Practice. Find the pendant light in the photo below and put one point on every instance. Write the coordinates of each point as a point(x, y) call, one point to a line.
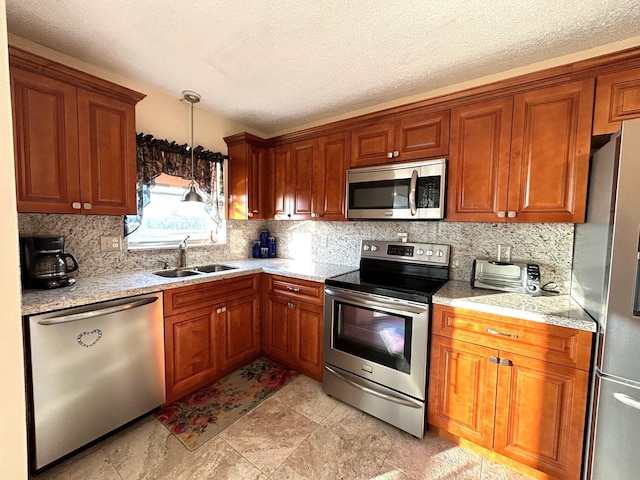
point(193, 193)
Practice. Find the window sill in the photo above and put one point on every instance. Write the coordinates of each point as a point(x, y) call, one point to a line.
point(173, 245)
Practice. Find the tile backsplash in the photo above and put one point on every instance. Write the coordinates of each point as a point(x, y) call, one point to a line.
point(548, 244)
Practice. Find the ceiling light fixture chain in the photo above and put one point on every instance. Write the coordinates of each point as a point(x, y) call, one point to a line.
point(193, 193)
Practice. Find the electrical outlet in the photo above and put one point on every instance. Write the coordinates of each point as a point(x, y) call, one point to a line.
point(110, 243)
point(323, 241)
point(504, 252)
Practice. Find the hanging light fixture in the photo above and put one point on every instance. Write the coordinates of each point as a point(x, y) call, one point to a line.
point(193, 193)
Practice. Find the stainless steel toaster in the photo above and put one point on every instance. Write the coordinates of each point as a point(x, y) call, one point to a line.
point(506, 276)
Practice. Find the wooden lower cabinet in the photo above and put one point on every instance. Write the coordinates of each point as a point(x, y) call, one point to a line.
point(210, 330)
point(292, 329)
point(516, 403)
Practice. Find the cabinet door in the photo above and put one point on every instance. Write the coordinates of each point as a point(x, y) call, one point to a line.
point(540, 414)
point(304, 156)
point(420, 136)
point(550, 153)
point(330, 176)
point(307, 338)
point(190, 354)
point(372, 145)
point(277, 328)
point(462, 389)
point(239, 331)
point(255, 198)
point(246, 157)
point(45, 132)
point(107, 145)
point(617, 99)
point(279, 168)
point(479, 161)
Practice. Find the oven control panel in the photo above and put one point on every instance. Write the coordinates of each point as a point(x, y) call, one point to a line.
point(430, 253)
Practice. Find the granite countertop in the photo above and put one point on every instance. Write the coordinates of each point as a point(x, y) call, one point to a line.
point(559, 310)
point(108, 287)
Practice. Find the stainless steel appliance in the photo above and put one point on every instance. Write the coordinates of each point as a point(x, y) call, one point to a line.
point(397, 191)
point(605, 282)
point(90, 370)
point(44, 264)
point(376, 330)
point(506, 276)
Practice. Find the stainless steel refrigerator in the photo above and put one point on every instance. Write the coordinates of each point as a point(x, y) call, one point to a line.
point(605, 282)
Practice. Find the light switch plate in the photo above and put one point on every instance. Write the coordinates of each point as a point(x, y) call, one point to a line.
point(110, 243)
point(504, 252)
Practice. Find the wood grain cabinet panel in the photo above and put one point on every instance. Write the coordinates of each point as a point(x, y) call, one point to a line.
point(330, 176)
point(239, 327)
point(292, 323)
point(408, 138)
point(74, 137)
point(617, 99)
point(534, 170)
point(279, 180)
point(520, 393)
point(301, 178)
point(245, 177)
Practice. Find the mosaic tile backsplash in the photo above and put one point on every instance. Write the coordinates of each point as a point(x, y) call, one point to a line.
point(548, 244)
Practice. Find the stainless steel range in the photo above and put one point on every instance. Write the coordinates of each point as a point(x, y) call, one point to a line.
point(376, 330)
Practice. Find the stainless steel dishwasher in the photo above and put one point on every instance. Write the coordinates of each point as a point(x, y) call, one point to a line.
point(92, 369)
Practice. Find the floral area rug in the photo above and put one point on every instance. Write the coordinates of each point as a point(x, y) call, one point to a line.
point(203, 414)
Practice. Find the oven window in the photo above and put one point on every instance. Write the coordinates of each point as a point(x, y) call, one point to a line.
point(381, 194)
point(375, 335)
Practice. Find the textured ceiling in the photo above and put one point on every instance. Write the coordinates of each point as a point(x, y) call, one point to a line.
point(276, 64)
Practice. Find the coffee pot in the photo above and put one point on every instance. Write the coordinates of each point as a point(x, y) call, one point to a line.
point(44, 263)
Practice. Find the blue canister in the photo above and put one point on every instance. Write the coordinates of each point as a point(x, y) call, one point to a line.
point(264, 238)
point(255, 251)
point(272, 247)
point(264, 252)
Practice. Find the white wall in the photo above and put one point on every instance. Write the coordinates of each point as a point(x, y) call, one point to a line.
point(13, 446)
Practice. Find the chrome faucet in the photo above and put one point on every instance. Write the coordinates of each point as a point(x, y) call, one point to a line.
point(182, 252)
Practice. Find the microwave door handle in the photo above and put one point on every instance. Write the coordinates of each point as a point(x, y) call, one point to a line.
point(412, 192)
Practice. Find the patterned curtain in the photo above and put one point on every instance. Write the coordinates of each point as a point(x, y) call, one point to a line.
point(155, 157)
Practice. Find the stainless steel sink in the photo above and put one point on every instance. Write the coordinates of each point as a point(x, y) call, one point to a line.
point(214, 267)
point(176, 273)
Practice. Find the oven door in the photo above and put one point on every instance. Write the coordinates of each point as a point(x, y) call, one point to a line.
point(379, 338)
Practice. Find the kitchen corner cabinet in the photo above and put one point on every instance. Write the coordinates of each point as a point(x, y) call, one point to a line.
point(523, 158)
point(246, 169)
point(408, 138)
point(210, 330)
point(617, 99)
point(292, 323)
point(74, 139)
point(308, 178)
point(513, 386)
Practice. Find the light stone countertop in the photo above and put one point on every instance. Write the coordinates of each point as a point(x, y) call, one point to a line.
point(556, 310)
point(98, 289)
point(559, 310)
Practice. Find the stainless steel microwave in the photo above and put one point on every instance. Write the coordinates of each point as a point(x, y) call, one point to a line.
point(413, 191)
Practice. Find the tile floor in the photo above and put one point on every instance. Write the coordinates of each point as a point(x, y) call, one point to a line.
point(298, 433)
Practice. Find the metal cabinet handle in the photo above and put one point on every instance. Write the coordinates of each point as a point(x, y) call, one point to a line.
point(87, 206)
point(389, 155)
point(493, 359)
point(627, 400)
point(292, 289)
point(396, 153)
point(506, 362)
point(501, 213)
point(76, 205)
point(250, 214)
point(291, 305)
point(511, 214)
point(502, 334)
point(221, 309)
point(111, 307)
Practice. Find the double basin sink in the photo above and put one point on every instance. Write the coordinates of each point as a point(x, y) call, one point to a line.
point(188, 272)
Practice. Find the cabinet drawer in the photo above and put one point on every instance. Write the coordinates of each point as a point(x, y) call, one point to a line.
point(303, 290)
point(561, 345)
point(184, 299)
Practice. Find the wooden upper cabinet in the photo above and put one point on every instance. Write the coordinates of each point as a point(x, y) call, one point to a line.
point(330, 176)
point(304, 157)
point(479, 161)
point(408, 138)
point(278, 181)
point(245, 177)
point(617, 99)
point(74, 138)
point(528, 164)
point(550, 148)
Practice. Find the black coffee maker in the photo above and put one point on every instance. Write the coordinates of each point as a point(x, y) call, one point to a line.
point(44, 264)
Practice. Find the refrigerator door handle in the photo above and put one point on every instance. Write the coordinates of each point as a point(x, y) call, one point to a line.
point(627, 400)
